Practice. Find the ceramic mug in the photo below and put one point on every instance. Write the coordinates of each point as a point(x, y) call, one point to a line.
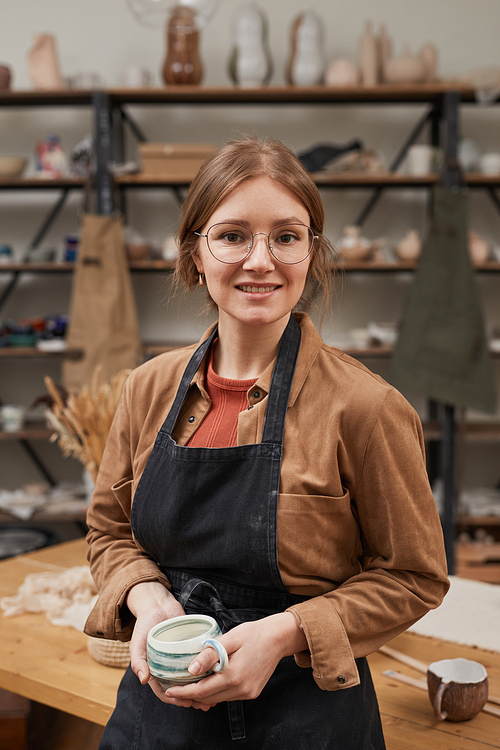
point(458, 688)
point(490, 163)
point(173, 644)
point(420, 158)
point(136, 77)
point(12, 417)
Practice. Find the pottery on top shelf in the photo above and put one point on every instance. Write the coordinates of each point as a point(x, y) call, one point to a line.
point(182, 63)
point(342, 73)
point(405, 68)
point(250, 63)
point(307, 61)
point(368, 56)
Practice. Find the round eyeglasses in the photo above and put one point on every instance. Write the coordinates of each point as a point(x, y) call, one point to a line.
point(232, 243)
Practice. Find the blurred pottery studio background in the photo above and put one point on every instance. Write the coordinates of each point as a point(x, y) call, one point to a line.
point(107, 109)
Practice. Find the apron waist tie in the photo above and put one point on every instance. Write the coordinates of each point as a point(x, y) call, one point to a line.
point(212, 603)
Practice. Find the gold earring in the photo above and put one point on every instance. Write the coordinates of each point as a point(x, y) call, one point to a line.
point(200, 279)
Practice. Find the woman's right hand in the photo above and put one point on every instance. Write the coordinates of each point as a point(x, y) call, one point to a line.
point(150, 603)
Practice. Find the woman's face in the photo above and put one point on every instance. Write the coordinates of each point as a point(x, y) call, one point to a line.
point(258, 290)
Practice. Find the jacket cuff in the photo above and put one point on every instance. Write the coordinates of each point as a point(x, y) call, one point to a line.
point(330, 654)
point(112, 619)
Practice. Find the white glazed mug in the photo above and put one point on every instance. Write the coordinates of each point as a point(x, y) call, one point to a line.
point(173, 644)
point(12, 417)
point(420, 158)
point(490, 163)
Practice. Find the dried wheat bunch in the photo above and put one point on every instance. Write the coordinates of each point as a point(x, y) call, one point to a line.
point(82, 424)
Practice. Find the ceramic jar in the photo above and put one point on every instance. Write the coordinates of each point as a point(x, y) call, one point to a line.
point(306, 65)
point(410, 246)
point(405, 68)
point(342, 72)
point(479, 249)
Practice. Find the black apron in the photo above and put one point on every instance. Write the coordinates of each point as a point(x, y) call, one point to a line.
point(208, 517)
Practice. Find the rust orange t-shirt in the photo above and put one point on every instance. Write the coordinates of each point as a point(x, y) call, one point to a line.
point(229, 397)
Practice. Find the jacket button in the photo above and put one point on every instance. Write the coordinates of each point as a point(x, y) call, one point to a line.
point(191, 419)
point(256, 394)
point(341, 680)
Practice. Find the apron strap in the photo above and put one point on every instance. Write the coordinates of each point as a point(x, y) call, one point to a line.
point(281, 383)
point(187, 377)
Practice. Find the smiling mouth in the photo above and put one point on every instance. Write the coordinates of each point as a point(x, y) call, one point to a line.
point(257, 289)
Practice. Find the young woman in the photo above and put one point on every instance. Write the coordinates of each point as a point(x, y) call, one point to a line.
point(265, 478)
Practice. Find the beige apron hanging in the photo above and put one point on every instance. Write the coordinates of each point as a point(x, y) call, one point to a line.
point(103, 318)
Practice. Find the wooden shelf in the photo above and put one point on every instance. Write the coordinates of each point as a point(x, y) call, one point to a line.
point(30, 431)
point(167, 266)
point(41, 516)
point(472, 432)
point(384, 93)
point(66, 267)
point(31, 352)
point(463, 521)
point(40, 183)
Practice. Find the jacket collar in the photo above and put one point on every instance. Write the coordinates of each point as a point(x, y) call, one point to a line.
point(310, 345)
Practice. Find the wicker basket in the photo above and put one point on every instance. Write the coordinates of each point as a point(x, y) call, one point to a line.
point(110, 653)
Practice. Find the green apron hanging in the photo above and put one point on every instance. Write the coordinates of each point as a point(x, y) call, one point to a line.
point(442, 350)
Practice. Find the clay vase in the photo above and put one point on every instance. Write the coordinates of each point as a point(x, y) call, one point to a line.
point(410, 246)
point(342, 72)
point(384, 50)
point(404, 69)
point(44, 65)
point(250, 62)
point(5, 77)
point(368, 58)
point(306, 65)
point(182, 64)
point(429, 56)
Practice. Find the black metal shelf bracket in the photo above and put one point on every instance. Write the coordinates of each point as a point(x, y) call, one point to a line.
point(431, 115)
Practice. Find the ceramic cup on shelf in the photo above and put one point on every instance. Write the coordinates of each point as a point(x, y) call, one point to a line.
point(12, 417)
point(490, 163)
point(173, 644)
point(135, 77)
point(420, 159)
point(458, 688)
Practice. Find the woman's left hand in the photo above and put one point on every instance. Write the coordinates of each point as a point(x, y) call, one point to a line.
point(254, 650)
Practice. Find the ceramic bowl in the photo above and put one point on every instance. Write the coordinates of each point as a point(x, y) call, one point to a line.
point(173, 644)
point(12, 166)
point(138, 251)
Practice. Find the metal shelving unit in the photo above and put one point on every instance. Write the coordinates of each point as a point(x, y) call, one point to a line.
point(112, 116)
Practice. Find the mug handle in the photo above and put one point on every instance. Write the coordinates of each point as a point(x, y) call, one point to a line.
point(440, 714)
point(221, 651)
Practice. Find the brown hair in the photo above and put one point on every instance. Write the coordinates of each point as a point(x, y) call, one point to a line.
point(227, 168)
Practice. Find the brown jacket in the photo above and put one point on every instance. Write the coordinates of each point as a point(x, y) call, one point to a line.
point(358, 529)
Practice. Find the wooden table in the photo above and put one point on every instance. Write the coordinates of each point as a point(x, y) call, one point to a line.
point(51, 665)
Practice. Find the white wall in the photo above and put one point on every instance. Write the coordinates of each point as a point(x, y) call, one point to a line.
point(103, 36)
